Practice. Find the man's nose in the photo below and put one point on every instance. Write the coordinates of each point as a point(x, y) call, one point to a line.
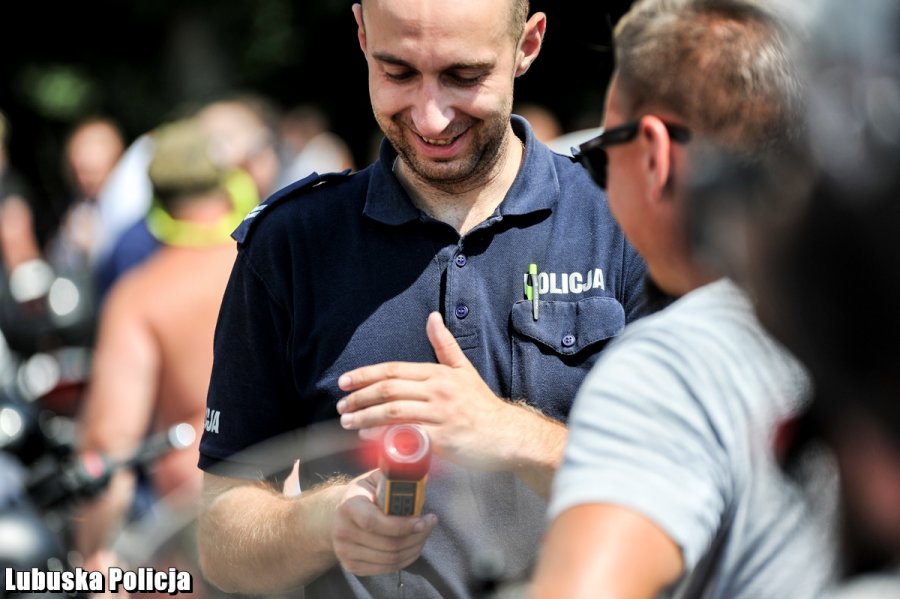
point(432, 112)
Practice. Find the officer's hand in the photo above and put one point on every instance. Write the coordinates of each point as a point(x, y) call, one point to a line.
point(466, 422)
point(366, 541)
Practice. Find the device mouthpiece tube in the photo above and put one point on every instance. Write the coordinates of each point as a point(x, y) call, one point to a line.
point(404, 460)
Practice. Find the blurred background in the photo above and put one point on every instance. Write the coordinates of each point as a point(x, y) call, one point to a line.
point(141, 62)
point(147, 62)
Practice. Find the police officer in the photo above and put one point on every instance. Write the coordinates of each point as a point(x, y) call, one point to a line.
point(465, 221)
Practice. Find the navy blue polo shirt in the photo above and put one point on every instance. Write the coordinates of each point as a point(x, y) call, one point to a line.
point(341, 271)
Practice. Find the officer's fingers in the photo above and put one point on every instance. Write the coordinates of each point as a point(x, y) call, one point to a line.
point(446, 348)
point(360, 546)
point(370, 563)
point(363, 541)
point(384, 392)
point(359, 558)
point(362, 519)
point(393, 412)
point(367, 375)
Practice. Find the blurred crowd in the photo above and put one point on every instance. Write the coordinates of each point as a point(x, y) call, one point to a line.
point(107, 318)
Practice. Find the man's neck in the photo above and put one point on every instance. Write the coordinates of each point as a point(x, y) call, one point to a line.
point(203, 209)
point(688, 277)
point(467, 209)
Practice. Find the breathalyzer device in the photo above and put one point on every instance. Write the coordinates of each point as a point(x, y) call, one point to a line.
point(404, 460)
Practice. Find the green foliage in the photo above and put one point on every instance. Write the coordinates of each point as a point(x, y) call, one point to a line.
point(62, 92)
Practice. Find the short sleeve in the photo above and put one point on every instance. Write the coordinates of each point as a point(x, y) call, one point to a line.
point(640, 438)
point(249, 400)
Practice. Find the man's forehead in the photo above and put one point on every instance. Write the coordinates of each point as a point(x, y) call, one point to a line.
point(436, 41)
point(429, 19)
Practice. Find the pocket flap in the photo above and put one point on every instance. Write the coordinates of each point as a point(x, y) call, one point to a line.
point(569, 327)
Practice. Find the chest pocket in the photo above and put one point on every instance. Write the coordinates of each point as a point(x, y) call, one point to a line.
point(552, 355)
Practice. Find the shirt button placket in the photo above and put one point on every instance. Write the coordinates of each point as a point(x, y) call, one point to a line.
point(461, 310)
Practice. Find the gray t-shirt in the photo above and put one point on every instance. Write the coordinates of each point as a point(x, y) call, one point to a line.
point(675, 422)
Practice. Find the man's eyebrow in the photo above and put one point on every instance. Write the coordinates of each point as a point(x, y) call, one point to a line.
point(397, 61)
point(391, 59)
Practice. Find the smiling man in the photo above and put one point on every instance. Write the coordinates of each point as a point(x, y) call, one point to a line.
point(466, 215)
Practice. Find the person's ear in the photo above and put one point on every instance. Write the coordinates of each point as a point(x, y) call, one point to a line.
point(656, 146)
point(530, 44)
point(361, 31)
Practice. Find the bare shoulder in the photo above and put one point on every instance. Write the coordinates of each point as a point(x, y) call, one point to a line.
point(172, 268)
point(126, 295)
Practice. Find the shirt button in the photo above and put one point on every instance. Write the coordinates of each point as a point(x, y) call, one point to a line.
point(461, 260)
point(462, 311)
point(568, 340)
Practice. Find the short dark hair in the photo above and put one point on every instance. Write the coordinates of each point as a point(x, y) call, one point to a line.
point(519, 10)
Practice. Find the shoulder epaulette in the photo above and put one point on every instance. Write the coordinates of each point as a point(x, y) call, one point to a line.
point(293, 190)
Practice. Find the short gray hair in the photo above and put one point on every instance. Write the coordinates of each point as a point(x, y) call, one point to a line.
point(724, 66)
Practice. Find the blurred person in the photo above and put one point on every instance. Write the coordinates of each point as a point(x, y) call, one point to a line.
point(814, 236)
point(29, 319)
point(154, 351)
point(244, 127)
point(322, 324)
point(309, 146)
point(544, 123)
point(18, 238)
point(20, 250)
point(670, 484)
point(126, 196)
point(92, 149)
point(33, 321)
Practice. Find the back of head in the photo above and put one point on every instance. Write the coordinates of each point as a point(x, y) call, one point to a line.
point(846, 218)
point(722, 66)
point(820, 223)
point(244, 127)
point(186, 163)
point(300, 124)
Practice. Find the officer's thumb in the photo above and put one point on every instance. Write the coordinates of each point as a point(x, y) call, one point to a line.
point(444, 343)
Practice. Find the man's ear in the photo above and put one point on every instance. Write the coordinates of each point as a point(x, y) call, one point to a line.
point(530, 44)
point(656, 145)
point(361, 31)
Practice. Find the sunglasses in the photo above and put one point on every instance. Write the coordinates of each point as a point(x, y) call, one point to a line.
point(592, 153)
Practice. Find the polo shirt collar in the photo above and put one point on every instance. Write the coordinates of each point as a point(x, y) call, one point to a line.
point(536, 186)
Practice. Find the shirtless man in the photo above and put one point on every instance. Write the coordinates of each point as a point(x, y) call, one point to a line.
point(153, 357)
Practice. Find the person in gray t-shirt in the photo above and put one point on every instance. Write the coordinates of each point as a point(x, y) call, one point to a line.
point(669, 484)
point(676, 424)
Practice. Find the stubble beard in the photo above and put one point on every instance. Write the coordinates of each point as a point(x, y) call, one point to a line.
point(464, 173)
